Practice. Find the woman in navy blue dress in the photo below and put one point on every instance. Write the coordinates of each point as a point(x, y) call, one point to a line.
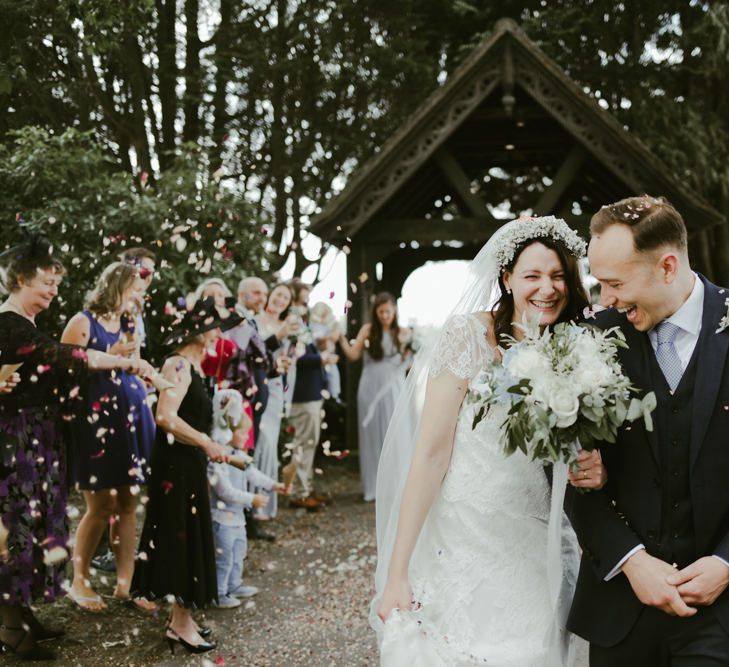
point(112, 432)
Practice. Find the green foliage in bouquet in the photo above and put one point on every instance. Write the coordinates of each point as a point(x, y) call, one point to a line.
point(564, 389)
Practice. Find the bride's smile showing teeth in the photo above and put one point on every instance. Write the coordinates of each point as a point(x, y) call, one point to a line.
point(544, 305)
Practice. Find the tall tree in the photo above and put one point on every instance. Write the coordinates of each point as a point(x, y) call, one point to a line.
point(285, 97)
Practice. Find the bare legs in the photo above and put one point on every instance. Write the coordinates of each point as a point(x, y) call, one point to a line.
point(101, 506)
point(123, 537)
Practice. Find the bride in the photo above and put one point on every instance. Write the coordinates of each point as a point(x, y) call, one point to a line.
point(464, 575)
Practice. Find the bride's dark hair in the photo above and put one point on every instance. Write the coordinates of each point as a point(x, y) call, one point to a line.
point(577, 299)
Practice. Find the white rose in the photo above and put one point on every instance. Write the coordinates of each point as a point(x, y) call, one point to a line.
point(526, 362)
point(565, 405)
point(542, 388)
point(591, 374)
point(586, 348)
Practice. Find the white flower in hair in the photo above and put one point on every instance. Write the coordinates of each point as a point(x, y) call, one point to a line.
point(512, 235)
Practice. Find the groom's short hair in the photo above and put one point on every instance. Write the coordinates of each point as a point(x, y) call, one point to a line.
point(654, 222)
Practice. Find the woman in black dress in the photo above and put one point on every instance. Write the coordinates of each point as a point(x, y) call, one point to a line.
point(176, 558)
point(33, 488)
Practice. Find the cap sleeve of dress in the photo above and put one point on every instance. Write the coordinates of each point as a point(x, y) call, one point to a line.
point(462, 349)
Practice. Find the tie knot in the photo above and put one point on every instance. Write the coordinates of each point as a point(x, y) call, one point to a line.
point(666, 332)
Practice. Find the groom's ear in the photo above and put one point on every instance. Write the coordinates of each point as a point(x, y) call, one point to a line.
point(668, 264)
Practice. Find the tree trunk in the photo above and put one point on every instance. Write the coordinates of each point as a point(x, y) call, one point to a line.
point(193, 74)
point(223, 75)
point(167, 75)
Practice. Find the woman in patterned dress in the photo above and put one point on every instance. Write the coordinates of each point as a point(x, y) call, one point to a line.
point(33, 489)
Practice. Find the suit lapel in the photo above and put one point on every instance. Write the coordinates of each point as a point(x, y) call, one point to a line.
point(712, 353)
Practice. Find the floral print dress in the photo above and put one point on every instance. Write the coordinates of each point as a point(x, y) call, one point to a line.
point(33, 490)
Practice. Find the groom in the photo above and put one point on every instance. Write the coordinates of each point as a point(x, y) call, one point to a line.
point(655, 565)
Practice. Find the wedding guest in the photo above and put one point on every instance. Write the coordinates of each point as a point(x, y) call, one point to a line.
point(275, 328)
point(112, 433)
point(176, 554)
point(214, 288)
point(324, 330)
point(380, 344)
point(229, 496)
point(145, 261)
point(216, 363)
point(306, 412)
point(301, 291)
point(33, 493)
point(253, 365)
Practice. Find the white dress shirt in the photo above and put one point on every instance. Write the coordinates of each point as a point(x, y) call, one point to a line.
point(688, 318)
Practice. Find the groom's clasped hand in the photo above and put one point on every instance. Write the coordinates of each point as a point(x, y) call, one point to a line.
point(677, 592)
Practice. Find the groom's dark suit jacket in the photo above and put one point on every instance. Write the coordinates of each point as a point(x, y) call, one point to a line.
point(667, 489)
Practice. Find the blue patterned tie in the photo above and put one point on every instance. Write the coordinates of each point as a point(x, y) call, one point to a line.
point(666, 353)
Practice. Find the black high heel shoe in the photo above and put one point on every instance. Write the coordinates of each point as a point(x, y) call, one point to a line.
point(40, 632)
point(203, 630)
point(34, 652)
point(190, 648)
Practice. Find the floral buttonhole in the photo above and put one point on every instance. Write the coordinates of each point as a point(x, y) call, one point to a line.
point(724, 321)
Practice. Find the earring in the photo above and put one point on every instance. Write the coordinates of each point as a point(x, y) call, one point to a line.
point(508, 291)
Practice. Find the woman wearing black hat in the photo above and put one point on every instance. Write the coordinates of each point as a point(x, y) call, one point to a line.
point(176, 558)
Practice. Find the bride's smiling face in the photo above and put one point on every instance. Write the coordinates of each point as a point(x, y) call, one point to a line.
point(538, 285)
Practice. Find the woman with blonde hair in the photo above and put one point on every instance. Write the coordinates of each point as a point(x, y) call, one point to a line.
point(113, 431)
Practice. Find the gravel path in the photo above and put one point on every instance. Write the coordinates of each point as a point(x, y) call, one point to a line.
point(315, 581)
point(315, 586)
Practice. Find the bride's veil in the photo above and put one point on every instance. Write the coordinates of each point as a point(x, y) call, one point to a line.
point(480, 293)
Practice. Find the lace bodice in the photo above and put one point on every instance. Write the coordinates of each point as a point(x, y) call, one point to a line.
point(462, 348)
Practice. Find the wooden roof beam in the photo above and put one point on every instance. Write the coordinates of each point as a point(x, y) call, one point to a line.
point(427, 230)
point(563, 178)
point(458, 178)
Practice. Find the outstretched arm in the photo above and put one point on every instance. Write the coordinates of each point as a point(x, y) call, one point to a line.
point(354, 351)
point(443, 398)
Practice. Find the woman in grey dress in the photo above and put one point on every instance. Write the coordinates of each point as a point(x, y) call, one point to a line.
point(380, 344)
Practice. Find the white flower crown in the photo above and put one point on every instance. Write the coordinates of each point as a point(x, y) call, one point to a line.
point(508, 238)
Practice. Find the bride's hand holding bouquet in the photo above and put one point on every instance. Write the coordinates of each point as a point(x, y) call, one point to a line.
point(565, 392)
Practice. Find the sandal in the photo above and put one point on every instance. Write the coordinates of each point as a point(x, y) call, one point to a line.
point(83, 601)
point(141, 603)
point(33, 652)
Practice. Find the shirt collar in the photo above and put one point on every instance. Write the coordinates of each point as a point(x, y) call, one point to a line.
point(243, 311)
point(688, 316)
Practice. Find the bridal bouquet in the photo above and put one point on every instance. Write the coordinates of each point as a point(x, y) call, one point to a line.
point(565, 390)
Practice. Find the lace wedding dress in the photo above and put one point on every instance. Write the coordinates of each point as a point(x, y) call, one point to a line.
point(479, 568)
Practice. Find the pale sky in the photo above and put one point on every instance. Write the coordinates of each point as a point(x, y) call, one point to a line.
point(429, 293)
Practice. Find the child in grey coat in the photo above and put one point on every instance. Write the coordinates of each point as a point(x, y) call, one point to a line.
point(229, 497)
